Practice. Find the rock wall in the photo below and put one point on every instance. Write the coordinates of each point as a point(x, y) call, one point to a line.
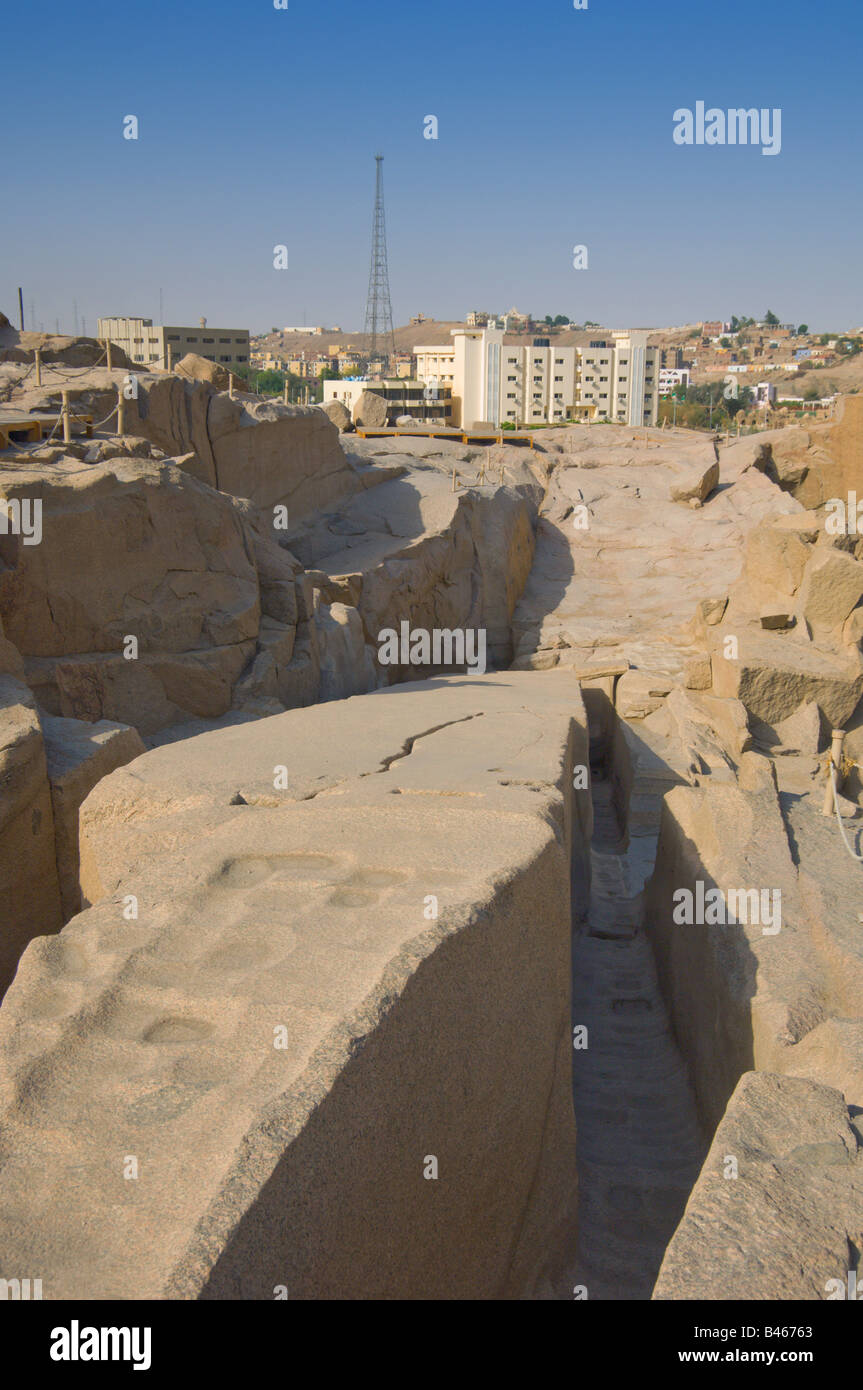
point(789, 1220)
point(738, 995)
point(324, 1084)
point(29, 887)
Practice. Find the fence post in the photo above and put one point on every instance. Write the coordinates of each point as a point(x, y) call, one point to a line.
point(67, 423)
point(121, 412)
point(38, 366)
point(835, 760)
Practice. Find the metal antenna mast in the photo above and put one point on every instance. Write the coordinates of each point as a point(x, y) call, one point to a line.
point(379, 313)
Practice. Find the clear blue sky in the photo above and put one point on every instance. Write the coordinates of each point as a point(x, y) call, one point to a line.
point(259, 126)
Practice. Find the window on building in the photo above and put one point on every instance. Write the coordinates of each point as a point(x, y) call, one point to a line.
point(224, 340)
point(173, 337)
point(558, 378)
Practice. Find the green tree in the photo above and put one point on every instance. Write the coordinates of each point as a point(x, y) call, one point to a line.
point(804, 328)
point(271, 383)
point(770, 319)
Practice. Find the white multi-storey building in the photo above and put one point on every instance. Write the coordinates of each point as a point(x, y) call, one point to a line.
point(541, 383)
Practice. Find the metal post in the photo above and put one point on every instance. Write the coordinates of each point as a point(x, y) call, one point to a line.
point(21, 307)
point(67, 423)
point(38, 355)
point(835, 762)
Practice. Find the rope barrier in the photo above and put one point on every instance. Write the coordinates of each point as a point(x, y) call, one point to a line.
point(845, 841)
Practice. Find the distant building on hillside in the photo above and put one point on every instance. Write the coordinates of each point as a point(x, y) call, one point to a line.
point(764, 394)
point(670, 377)
point(314, 332)
point(163, 346)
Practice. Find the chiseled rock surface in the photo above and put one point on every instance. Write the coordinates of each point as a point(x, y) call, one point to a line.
point(619, 565)
point(758, 992)
point(792, 1219)
point(79, 755)
point(29, 889)
point(261, 909)
point(168, 561)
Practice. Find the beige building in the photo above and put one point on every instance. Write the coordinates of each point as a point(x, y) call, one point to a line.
point(617, 379)
point(162, 346)
point(614, 378)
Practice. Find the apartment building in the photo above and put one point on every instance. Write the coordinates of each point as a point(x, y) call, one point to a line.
point(436, 364)
point(162, 345)
point(617, 379)
point(540, 383)
point(537, 383)
point(308, 366)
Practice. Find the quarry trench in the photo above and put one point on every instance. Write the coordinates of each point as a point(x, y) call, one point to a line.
point(639, 1144)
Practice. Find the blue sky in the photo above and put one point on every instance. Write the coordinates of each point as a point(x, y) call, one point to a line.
point(259, 126)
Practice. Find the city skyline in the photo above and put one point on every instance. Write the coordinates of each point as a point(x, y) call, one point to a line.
point(555, 129)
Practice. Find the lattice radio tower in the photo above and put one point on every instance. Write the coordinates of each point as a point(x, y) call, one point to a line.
point(379, 314)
